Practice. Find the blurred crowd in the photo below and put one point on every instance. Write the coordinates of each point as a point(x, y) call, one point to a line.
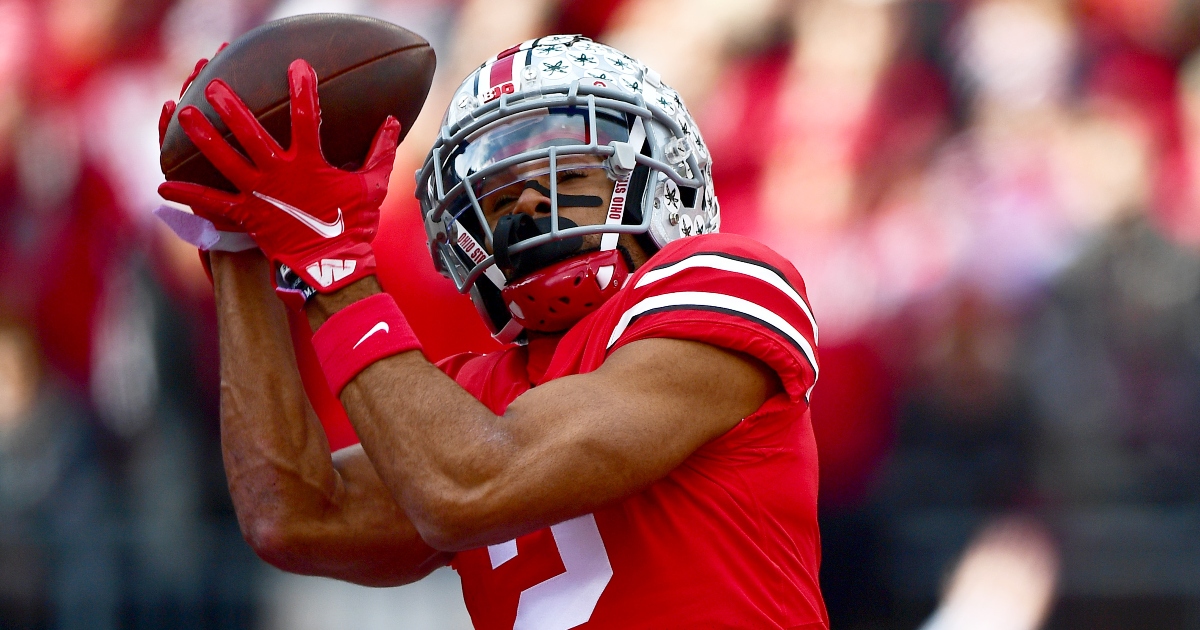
point(995, 205)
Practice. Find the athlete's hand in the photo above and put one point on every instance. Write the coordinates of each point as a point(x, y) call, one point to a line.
point(168, 109)
point(315, 219)
point(200, 228)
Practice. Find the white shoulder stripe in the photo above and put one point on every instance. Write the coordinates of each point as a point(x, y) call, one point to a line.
point(732, 265)
point(716, 300)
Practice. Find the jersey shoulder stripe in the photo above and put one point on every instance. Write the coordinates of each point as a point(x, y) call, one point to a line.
point(716, 302)
point(724, 304)
point(723, 261)
point(723, 283)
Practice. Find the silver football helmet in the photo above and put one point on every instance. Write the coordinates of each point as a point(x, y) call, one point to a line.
point(549, 104)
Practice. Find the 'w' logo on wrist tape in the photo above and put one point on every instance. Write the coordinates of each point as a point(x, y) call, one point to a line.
point(330, 270)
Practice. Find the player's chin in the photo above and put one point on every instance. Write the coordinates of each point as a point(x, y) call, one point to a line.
point(635, 255)
point(591, 242)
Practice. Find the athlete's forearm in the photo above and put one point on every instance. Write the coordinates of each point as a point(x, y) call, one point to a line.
point(439, 450)
point(466, 476)
point(276, 457)
point(299, 510)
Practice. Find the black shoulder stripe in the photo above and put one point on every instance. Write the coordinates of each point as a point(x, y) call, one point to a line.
point(743, 259)
point(728, 311)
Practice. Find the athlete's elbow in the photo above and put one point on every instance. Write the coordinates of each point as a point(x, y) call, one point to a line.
point(451, 522)
point(444, 529)
point(276, 541)
point(267, 537)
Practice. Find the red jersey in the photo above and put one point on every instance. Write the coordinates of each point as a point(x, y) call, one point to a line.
point(729, 538)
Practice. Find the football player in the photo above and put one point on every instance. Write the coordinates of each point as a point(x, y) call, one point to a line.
point(639, 456)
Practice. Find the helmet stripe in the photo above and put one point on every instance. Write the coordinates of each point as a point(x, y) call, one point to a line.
point(508, 52)
point(502, 71)
point(529, 51)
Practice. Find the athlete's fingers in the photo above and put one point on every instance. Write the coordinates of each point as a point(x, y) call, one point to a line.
point(306, 109)
point(259, 144)
point(225, 158)
point(383, 147)
point(192, 77)
point(202, 199)
point(164, 119)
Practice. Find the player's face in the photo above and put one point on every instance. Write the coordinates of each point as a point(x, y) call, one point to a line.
point(583, 187)
point(584, 192)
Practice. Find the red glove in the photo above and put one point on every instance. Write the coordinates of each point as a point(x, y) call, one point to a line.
point(203, 230)
point(222, 234)
point(315, 219)
point(169, 107)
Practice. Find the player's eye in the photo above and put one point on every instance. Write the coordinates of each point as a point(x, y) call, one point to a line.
point(564, 176)
point(503, 201)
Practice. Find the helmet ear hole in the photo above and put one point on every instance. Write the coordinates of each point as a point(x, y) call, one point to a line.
point(637, 189)
point(634, 210)
point(687, 196)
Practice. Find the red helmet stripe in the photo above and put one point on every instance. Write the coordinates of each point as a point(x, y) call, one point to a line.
point(501, 71)
point(508, 52)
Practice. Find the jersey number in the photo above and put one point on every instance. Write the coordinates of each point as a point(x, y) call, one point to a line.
point(567, 599)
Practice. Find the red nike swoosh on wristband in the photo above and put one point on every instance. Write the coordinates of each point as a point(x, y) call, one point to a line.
point(326, 230)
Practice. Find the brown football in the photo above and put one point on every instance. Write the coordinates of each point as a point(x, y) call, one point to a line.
point(366, 68)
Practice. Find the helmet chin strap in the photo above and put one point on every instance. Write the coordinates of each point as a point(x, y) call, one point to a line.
point(626, 161)
point(477, 253)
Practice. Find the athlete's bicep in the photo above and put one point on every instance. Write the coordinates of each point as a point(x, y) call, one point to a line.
point(661, 399)
point(594, 438)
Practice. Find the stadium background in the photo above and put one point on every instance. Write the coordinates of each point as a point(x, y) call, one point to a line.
point(995, 204)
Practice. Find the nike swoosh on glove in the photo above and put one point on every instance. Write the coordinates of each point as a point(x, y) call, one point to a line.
point(316, 219)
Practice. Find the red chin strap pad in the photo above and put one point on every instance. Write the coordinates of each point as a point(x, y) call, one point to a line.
point(554, 298)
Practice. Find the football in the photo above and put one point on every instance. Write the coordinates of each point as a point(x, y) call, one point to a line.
point(366, 68)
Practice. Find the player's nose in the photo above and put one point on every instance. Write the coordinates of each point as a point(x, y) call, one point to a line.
point(531, 202)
